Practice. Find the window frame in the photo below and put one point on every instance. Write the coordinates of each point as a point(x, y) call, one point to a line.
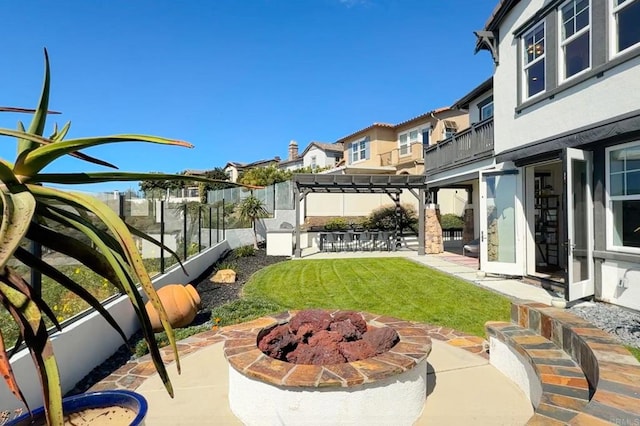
point(482, 105)
point(525, 66)
point(564, 42)
point(361, 144)
point(613, 32)
point(609, 199)
point(409, 142)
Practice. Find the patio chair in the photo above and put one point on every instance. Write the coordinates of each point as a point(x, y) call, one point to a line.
point(384, 240)
point(365, 241)
point(330, 239)
point(349, 241)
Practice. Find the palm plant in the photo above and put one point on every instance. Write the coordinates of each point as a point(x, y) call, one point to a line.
point(251, 209)
point(50, 217)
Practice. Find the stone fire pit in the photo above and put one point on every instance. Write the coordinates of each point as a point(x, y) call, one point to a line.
point(389, 388)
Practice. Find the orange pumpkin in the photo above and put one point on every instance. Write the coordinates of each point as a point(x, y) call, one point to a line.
point(180, 302)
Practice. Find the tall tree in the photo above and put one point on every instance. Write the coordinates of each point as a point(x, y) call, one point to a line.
point(264, 176)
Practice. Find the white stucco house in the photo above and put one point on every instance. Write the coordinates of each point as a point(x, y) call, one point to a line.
point(316, 156)
point(556, 194)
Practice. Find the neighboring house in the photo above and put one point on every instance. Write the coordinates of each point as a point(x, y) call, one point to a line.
point(398, 149)
point(233, 169)
point(317, 155)
point(560, 199)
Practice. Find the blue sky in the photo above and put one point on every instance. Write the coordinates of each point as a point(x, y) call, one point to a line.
point(237, 78)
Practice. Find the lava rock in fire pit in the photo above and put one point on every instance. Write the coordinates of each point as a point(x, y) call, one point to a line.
point(381, 339)
point(316, 337)
point(309, 322)
point(278, 342)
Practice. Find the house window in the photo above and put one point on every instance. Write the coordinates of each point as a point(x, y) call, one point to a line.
point(359, 150)
point(426, 139)
point(485, 108)
point(625, 16)
point(534, 59)
point(450, 128)
point(314, 163)
point(405, 140)
point(623, 187)
point(575, 37)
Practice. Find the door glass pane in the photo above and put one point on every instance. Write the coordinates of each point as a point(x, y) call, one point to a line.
point(501, 229)
point(579, 205)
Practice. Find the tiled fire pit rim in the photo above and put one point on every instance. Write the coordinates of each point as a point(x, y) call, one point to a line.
point(242, 353)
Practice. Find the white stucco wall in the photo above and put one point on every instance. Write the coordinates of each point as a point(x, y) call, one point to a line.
point(586, 103)
point(397, 400)
point(621, 284)
point(351, 204)
point(516, 368)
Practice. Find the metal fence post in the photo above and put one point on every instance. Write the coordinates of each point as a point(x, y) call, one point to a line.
point(217, 224)
point(224, 227)
point(184, 231)
point(199, 227)
point(162, 236)
point(210, 226)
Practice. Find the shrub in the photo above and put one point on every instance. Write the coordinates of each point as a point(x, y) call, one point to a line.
point(244, 251)
point(451, 221)
point(242, 310)
point(384, 218)
point(336, 224)
point(226, 265)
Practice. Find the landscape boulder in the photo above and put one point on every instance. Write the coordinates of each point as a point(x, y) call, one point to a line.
point(224, 276)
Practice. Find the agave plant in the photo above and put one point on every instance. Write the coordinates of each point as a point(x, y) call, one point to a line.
point(45, 215)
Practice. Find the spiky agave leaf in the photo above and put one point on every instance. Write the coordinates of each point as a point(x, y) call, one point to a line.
point(34, 262)
point(17, 298)
point(147, 237)
point(18, 206)
point(118, 229)
point(7, 373)
point(119, 266)
point(40, 115)
point(35, 160)
point(100, 177)
point(39, 140)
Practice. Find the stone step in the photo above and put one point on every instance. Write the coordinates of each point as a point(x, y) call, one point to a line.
point(555, 383)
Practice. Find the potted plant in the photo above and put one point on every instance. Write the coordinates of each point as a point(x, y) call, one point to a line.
point(42, 214)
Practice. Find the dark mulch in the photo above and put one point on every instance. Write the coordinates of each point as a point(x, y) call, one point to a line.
point(211, 296)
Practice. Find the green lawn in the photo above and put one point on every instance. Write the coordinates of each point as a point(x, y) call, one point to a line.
point(390, 286)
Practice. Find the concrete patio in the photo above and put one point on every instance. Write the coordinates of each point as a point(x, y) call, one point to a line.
point(463, 387)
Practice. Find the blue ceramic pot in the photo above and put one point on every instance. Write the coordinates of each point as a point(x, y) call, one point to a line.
point(101, 399)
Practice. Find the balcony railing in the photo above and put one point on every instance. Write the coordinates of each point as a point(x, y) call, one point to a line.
point(473, 143)
point(401, 155)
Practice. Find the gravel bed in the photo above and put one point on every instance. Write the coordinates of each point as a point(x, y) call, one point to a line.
point(620, 322)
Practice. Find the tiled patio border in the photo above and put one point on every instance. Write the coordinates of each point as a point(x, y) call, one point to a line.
point(131, 375)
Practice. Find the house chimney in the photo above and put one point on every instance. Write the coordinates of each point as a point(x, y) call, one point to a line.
point(293, 150)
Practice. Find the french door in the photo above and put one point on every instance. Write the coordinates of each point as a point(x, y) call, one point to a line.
point(579, 208)
point(500, 218)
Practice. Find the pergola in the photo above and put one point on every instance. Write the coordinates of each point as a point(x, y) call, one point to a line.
point(392, 185)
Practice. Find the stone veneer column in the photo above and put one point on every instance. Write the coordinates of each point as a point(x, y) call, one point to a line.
point(468, 230)
point(433, 230)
